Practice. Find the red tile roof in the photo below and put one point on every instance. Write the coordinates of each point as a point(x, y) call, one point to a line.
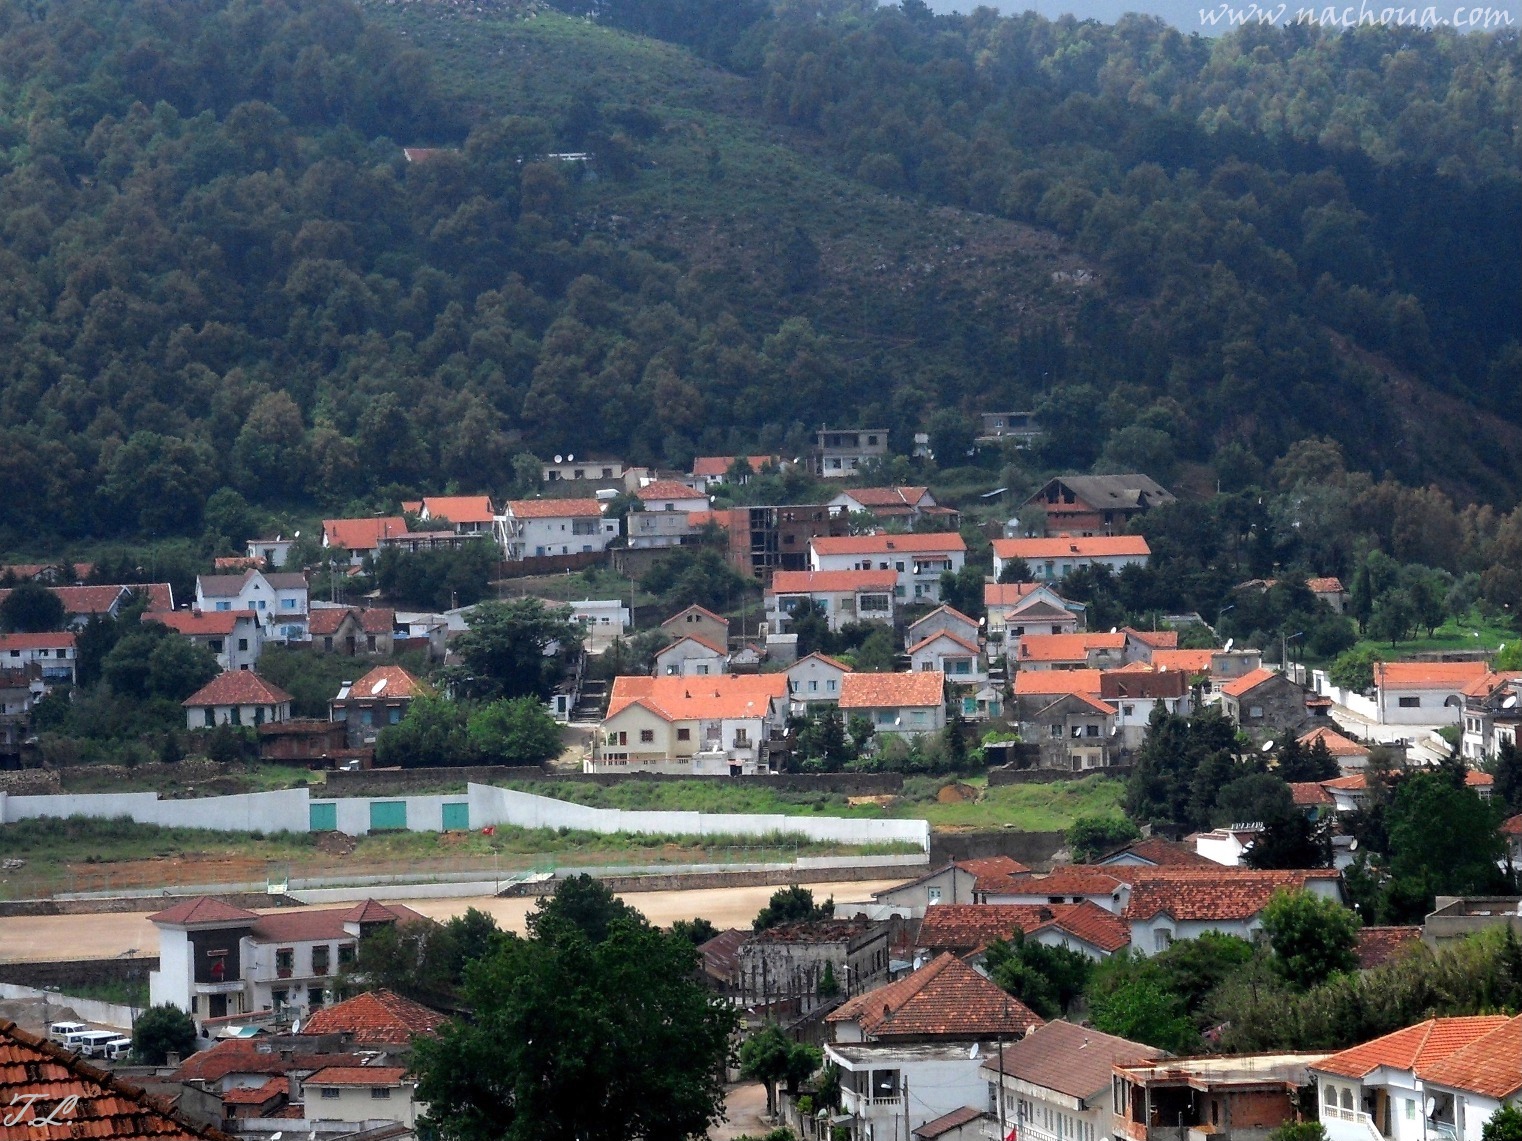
point(1157, 639)
point(325, 620)
point(553, 508)
point(870, 497)
point(892, 691)
point(1427, 675)
point(48, 641)
point(1162, 852)
point(206, 624)
point(1490, 1066)
point(1093, 546)
point(236, 687)
point(701, 641)
point(1211, 894)
point(1248, 682)
point(1378, 945)
point(691, 698)
point(721, 954)
point(257, 1095)
point(965, 927)
point(1189, 661)
point(994, 866)
point(1075, 879)
point(386, 682)
point(1357, 782)
point(1050, 683)
point(1074, 1060)
point(1091, 923)
point(1512, 826)
point(361, 534)
point(810, 582)
point(947, 1122)
point(1413, 1047)
point(358, 1076)
point(1121, 684)
point(459, 508)
point(1007, 593)
point(203, 909)
point(943, 999)
point(242, 1056)
point(668, 489)
point(376, 1018)
point(1325, 586)
point(1066, 647)
point(696, 609)
point(1336, 743)
point(970, 647)
point(106, 1109)
point(1309, 794)
point(913, 544)
point(712, 467)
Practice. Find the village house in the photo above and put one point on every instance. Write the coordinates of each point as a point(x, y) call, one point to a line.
point(1265, 704)
point(1020, 427)
point(815, 680)
point(692, 655)
point(709, 472)
point(1223, 1097)
point(536, 528)
point(589, 468)
point(669, 497)
point(1086, 505)
point(1035, 690)
point(845, 596)
point(1208, 670)
point(1019, 608)
point(912, 1051)
point(951, 654)
point(1351, 757)
point(1055, 1082)
point(781, 967)
point(360, 538)
point(647, 530)
point(1491, 713)
point(1070, 651)
point(1423, 693)
point(378, 699)
point(1331, 591)
point(1166, 905)
point(351, 631)
point(362, 1094)
point(236, 697)
point(53, 654)
point(700, 621)
point(49, 574)
point(462, 514)
point(273, 553)
point(235, 637)
point(919, 560)
point(1411, 1085)
point(278, 599)
point(1135, 694)
point(1051, 560)
point(838, 453)
point(697, 726)
point(906, 704)
point(216, 959)
point(81, 603)
point(909, 506)
point(604, 620)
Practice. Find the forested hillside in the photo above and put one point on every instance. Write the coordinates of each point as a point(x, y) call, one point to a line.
point(219, 266)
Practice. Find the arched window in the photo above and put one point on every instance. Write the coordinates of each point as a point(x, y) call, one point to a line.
point(1347, 1098)
point(1331, 1096)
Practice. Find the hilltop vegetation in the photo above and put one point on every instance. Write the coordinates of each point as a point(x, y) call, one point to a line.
point(221, 269)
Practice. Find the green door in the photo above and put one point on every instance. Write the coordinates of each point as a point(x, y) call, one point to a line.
point(388, 816)
point(457, 817)
point(324, 816)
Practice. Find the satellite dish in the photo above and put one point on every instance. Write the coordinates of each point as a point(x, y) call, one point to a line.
point(1113, 629)
point(296, 1026)
point(1268, 746)
point(558, 460)
point(276, 1136)
point(1431, 1106)
point(973, 1053)
point(1353, 847)
point(1229, 643)
point(378, 686)
point(571, 458)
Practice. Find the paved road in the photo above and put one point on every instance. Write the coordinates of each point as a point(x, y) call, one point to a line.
point(35, 938)
point(744, 1106)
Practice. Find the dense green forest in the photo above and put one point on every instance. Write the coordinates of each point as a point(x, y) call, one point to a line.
point(220, 268)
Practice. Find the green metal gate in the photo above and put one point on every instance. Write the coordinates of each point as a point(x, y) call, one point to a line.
point(457, 817)
point(324, 816)
point(388, 816)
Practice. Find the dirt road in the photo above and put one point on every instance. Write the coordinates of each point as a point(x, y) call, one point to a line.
point(37, 938)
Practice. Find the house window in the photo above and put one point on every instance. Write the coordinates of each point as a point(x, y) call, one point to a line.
point(320, 956)
point(242, 645)
point(1331, 1096)
point(1410, 702)
point(646, 736)
point(1410, 1107)
point(327, 643)
point(370, 642)
point(279, 998)
point(1347, 1098)
point(933, 895)
point(684, 734)
point(214, 645)
point(288, 604)
point(211, 718)
point(345, 954)
point(380, 1093)
point(1162, 939)
point(285, 962)
point(235, 715)
point(1255, 712)
point(830, 685)
point(329, 1093)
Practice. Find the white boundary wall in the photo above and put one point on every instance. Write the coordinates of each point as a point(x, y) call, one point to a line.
point(85, 1009)
point(289, 810)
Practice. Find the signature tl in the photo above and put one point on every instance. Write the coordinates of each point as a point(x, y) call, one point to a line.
point(27, 1101)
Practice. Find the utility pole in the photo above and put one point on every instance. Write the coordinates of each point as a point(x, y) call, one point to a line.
point(907, 1137)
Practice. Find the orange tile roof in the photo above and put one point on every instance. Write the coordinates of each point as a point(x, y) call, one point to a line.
point(87, 599)
point(1412, 1047)
point(459, 508)
point(358, 1076)
point(691, 698)
point(1007, 593)
point(971, 647)
point(1157, 639)
point(1066, 647)
point(1050, 683)
point(397, 683)
point(947, 1122)
point(1427, 675)
point(892, 691)
point(808, 582)
point(257, 1095)
point(1327, 585)
point(1189, 661)
point(1164, 853)
point(553, 508)
point(913, 544)
point(207, 623)
point(1490, 1066)
point(1074, 879)
point(1491, 681)
point(1248, 682)
point(1093, 546)
point(236, 687)
point(712, 467)
point(1091, 923)
point(48, 641)
point(376, 1018)
point(943, 999)
point(1211, 894)
point(324, 621)
point(704, 642)
point(106, 1109)
point(361, 534)
point(203, 909)
point(668, 489)
point(1357, 782)
point(965, 927)
point(887, 496)
point(1309, 793)
point(994, 866)
point(1513, 826)
point(1378, 945)
point(1335, 742)
point(242, 1056)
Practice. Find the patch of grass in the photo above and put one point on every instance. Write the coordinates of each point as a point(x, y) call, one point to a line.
point(1476, 633)
point(1029, 807)
point(118, 991)
point(693, 796)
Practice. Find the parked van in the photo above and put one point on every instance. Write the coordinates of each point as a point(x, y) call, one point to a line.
point(118, 1048)
point(92, 1043)
point(61, 1032)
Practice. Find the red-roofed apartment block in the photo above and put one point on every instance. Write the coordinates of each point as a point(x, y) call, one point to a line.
point(919, 560)
point(844, 596)
point(695, 726)
point(1423, 693)
point(535, 528)
point(1050, 560)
